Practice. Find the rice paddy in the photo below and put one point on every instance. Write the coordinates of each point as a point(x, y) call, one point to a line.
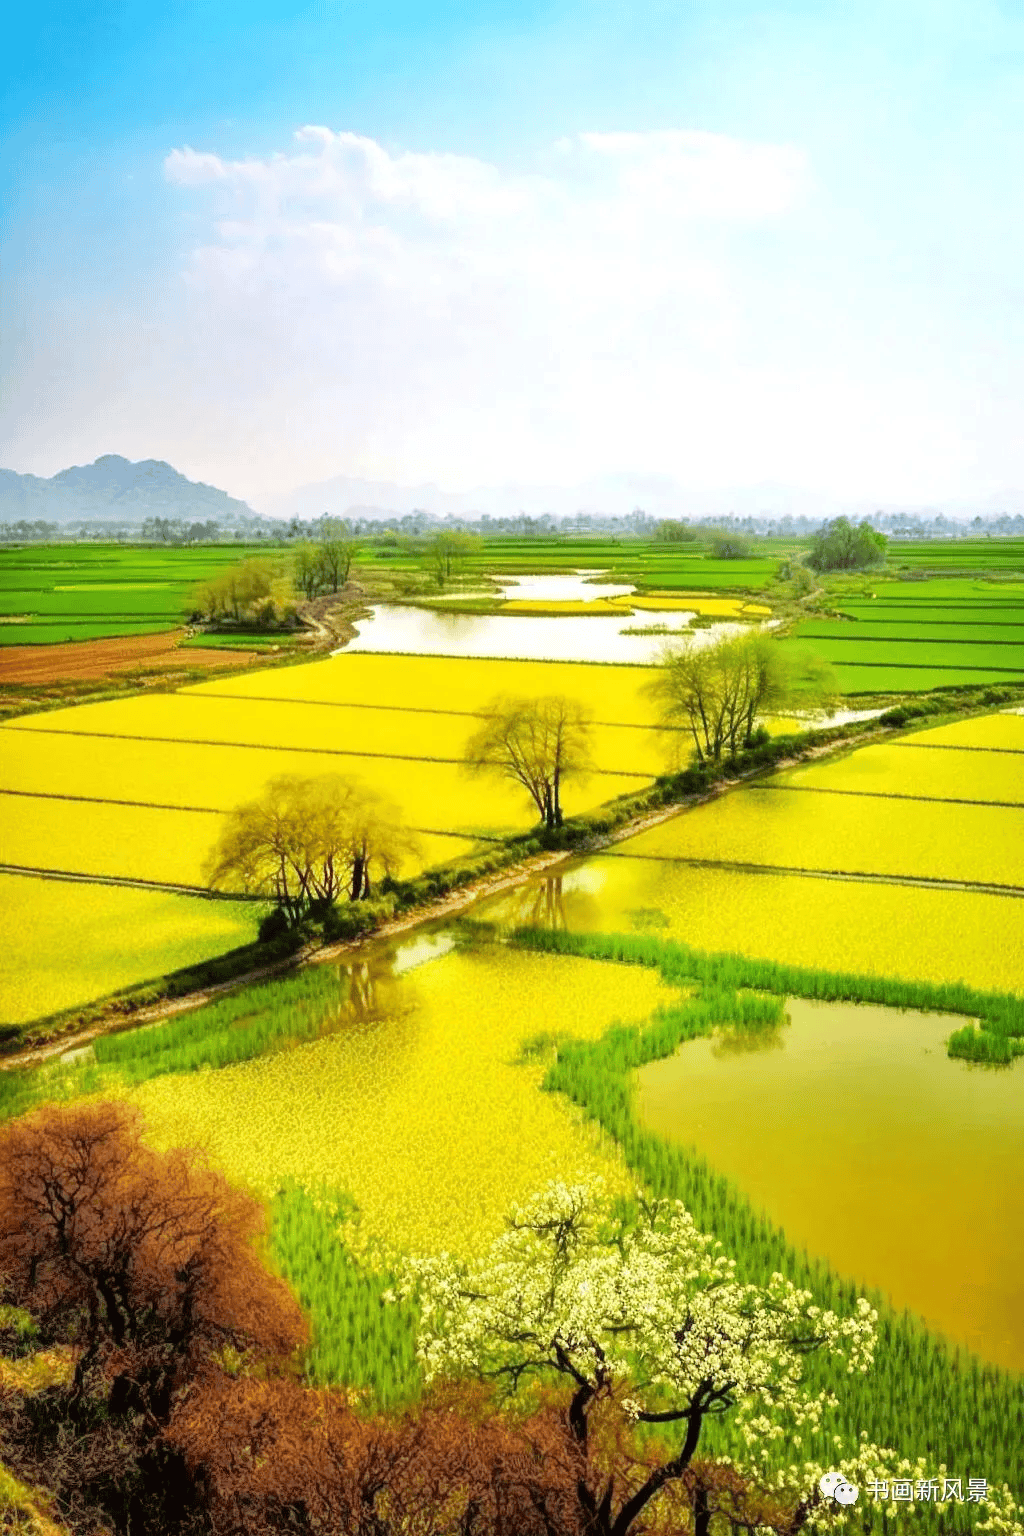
point(84, 592)
point(914, 634)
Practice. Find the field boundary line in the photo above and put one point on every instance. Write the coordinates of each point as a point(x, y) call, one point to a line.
point(908, 640)
point(926, 882)
point(402, 709)
point(257, 746)
point(209, 810)
point(881, 794)
point(954, 746)
point(143, 805)
point(917, 666)
point(76, 877)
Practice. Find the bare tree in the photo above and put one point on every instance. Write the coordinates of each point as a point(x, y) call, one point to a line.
point(538, 743)
point(307, 840)
point(721, 691)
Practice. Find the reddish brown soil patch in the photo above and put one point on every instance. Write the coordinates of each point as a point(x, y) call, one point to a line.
point(99, 658)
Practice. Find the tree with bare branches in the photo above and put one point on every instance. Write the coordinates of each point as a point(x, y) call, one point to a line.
point(537, 743)
point(720, 692)
point(275, 1456)
point(141, 1273)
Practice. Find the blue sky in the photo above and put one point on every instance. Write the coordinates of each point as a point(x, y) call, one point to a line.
point(727, 243)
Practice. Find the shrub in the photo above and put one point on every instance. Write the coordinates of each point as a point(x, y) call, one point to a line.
point(273, 925)
point(729, 546)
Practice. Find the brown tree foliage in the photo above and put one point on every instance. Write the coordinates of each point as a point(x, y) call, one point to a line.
point(273, 1456)
point(144, 1262)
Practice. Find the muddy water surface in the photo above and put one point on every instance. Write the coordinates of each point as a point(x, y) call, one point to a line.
point(855, 1132)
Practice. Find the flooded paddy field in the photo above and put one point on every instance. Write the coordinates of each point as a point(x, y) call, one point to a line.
point(851, 1128)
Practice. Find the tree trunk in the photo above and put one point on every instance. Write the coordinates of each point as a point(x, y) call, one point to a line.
point(701, 1512)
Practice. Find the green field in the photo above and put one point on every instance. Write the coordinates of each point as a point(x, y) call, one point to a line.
point(912, 635)
point(929, 620)
point(50, 595)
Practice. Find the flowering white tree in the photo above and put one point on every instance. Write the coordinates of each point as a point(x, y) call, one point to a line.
point(646, 1315)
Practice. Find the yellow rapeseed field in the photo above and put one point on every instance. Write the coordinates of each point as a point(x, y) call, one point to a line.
point(692, 602)
point(183, 756)
point(139, 842)
point(319, 730)
point(908, 770)
point(66, 943)
point(1005, 732)
point(546, 607)
point(612, 693)
point(834, 832)
point(131, 841)
point(423, 1118)
point(879, 930)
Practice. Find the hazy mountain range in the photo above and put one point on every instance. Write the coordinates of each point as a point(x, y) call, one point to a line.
point(608, 496)
point(116, 488)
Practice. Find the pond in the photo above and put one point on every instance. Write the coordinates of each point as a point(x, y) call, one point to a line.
point(854, 1132)
point(528, 637)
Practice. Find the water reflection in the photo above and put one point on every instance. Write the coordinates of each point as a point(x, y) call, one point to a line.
point(581, 587)
point(376, 983)
point(527, 637)
point(565, 899)
point(749, 1041)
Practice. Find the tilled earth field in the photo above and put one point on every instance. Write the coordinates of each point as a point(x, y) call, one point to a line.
point(101, 658)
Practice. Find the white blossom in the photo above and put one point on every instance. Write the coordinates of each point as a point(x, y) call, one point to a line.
point(651, 1302)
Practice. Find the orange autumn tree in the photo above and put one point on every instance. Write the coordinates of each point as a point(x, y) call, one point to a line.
point(145, 1263)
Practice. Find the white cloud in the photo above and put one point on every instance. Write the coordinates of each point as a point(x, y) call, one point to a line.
point(436, 314)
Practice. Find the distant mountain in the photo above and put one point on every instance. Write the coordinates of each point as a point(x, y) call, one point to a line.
point(113, 487)
point(608, 496)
